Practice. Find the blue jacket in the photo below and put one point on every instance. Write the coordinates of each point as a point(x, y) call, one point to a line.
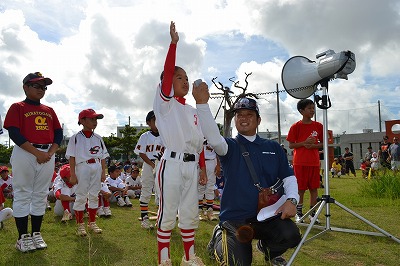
point(240, 197)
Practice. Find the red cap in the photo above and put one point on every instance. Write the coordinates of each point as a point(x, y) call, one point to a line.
point(89, 113)
point(65, 171)
point(3, 168)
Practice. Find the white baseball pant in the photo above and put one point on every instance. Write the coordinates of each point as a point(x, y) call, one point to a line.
point(207, 190)
point(31, 182)
point(89, 185)
point(177, 182)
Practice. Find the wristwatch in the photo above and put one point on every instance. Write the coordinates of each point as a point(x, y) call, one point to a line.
point(292, 200)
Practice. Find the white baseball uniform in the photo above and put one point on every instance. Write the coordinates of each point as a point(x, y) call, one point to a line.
point(118, 183)
point(207, 190)
point(88, 153)
point(6, 184)
point(178, 171)
point(5, 213)
point(65, 189)
point(152, 146)
point(133, 182)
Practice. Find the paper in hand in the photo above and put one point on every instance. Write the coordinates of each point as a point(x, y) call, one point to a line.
point(269, 211)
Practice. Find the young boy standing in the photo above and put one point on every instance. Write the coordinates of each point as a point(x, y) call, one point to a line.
point(87, 152)
point(178, 171)
point(148, 148)
point(306, 138)
point(37, 133)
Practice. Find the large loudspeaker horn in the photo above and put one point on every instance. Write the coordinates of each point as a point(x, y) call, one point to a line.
point(300, 77)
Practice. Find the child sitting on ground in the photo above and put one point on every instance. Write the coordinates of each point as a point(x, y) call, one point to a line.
point(5, 213)
point(6, 182)
point(134, 184)
point(104, 201)
point(117, 187)
point(64, 192)
point(336, 168)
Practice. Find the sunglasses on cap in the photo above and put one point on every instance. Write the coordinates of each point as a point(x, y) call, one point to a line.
point(246, 103)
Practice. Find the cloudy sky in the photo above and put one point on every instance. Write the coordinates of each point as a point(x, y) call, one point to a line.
point(108, 55)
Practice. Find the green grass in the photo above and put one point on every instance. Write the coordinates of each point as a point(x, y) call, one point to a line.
point(123, 242)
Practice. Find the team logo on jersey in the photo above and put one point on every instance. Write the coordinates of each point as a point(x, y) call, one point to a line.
point(94, 150)
point(41, 123)
point(195, 120)
point(158, 148)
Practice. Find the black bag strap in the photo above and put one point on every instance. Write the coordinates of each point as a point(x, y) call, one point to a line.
point(246, 156)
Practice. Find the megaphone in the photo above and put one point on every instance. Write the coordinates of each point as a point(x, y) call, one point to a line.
point(301, 76)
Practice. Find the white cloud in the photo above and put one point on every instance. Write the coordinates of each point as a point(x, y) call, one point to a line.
point(108, 55)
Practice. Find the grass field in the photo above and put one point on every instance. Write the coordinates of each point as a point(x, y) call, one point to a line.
point(123, 242)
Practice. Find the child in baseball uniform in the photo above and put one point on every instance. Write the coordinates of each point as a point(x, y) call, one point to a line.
point(105, 194)
point(127, 172)
point(64, 192)
point(5, 213)
point(177, 173)
point(133, 183)
point(117, 187)
point(86, 153)
point(207, 191)
point(6, 182)
point(37, 133)
point(148, 147)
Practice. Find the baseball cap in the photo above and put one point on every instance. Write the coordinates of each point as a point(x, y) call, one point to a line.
point(246, 103)
point(3, 168)
point(150, 115)
point(32, 77)
point(126, 167)
point(369, 147)
point(112, 168)
point(89, 113)
point(65, 171)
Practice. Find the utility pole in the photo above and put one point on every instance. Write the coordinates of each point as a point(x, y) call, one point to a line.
point(279, 114)
point(379, 113)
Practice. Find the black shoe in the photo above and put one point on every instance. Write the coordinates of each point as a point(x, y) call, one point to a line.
point(278, 261)
point(210, 247)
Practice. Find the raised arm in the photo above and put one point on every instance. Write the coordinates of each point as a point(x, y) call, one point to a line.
point(206, 120)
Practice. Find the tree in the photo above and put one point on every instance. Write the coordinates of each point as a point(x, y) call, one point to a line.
point(112, 143)
point(229, 112)
point(5, 154)
point(128, 141)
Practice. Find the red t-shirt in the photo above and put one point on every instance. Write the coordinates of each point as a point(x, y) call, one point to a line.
point(299, 132)
point(35, 122)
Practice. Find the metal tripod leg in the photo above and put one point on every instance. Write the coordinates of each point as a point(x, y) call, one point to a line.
point(304, 239)
point(326, 200)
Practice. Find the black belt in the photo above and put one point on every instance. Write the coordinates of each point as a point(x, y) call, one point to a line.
point(187, 157)
point(41, 146)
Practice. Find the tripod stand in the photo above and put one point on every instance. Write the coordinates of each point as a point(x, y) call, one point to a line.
point(326, 199)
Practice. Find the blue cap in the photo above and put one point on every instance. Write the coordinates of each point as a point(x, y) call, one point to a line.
point(246, 103)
